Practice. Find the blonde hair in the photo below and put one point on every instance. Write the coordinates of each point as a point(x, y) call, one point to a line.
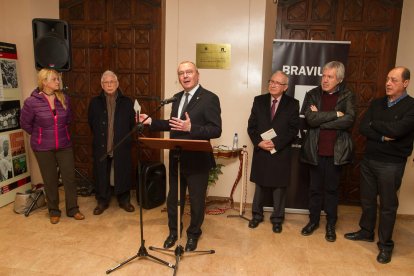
point(45, 74)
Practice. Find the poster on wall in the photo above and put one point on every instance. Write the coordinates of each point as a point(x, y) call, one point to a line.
point(302, 61)
point(14, 173)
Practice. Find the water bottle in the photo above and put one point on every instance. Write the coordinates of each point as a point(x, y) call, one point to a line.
point(235, 141)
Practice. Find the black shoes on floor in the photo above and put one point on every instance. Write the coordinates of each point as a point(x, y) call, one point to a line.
point(384, 256)
point(191, 244)
point(359, 236)
point(309, 228)
point(253, 223)
point(170, 241)
point(127, 206)
point(330, 235)
point(277, 228)
point(99, 209)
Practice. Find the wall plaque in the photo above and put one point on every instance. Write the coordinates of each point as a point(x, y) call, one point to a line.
point(213, 56)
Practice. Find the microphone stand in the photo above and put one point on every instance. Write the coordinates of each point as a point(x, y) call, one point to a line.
point(142, 252)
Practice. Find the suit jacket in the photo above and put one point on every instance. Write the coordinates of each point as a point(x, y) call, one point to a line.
point(205, 114)
point(273, 170)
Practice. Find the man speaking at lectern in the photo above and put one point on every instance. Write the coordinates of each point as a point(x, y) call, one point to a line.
point(195, 115)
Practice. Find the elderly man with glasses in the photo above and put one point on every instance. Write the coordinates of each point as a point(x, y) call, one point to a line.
point(272, 127)
point(111, 117)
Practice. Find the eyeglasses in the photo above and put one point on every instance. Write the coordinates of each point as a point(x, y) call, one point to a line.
point(188, 72)
point(276, 83)
point(109, 82)
point(393, 80)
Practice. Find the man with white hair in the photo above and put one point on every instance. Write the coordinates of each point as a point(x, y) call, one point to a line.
point(329, 111)
point(111, 117)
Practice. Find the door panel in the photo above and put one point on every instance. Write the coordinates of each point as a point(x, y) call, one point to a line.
point(119, 35)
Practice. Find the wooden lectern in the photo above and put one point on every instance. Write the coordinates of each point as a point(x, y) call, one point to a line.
point(180, 145)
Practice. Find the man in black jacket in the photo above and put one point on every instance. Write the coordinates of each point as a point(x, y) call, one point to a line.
point(330, 112)
point(389, 127)
point(111, 117)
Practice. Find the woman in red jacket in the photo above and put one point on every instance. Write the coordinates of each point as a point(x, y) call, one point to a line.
point(46, 115)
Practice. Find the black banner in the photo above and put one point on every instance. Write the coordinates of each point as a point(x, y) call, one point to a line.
point(303, 61)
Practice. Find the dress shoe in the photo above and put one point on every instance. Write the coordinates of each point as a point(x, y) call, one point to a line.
point(384, 256)
point(79, 216)
point(170, 241)
point(309, 228)
point(253, 223)
point(191, 244)
point(127, 206)
point(359, 236)
point(99, 209)
point(277, 228)
point(330, 235)
point(54, 220)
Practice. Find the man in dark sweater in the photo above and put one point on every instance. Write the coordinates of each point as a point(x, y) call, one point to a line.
point(389, 127)
point(330, 112)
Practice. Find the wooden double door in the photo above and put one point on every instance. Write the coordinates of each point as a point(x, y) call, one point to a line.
point(120, 35)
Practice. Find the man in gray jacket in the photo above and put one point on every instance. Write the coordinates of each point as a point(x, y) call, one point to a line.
point(329, 110)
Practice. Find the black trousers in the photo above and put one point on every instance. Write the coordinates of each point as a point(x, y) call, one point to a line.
point(196, 182)
point(383, 179)
point(104, 192)
point(48, 162)
point(323, 190)
point(279, 203)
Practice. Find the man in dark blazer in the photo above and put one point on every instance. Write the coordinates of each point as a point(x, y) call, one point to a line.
point(196, 115)
point(111, 117)
point(278, 115)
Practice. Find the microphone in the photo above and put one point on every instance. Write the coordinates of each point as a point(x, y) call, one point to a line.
point(170, 100)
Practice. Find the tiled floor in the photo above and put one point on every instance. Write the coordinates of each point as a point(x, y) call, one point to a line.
point(33, 246)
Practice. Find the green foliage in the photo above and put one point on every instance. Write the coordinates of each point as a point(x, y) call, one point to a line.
point(214, 174)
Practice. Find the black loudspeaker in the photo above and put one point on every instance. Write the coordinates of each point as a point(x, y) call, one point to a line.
point(51, 42)
point(154, 187)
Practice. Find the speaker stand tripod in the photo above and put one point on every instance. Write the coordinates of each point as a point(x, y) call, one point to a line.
point(142, 251)
point(179, 250)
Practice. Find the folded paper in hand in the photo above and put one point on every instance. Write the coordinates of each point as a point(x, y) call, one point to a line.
point(269, 135)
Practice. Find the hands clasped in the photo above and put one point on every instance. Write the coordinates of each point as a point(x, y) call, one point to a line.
point(266, 145)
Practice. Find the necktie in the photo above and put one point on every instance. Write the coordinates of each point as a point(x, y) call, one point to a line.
point(273, 109)
point(186, 94)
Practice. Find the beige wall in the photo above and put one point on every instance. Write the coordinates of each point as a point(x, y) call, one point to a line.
point(405, 57)
point(249, 30)
point(189, 22)
point(16, 27)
